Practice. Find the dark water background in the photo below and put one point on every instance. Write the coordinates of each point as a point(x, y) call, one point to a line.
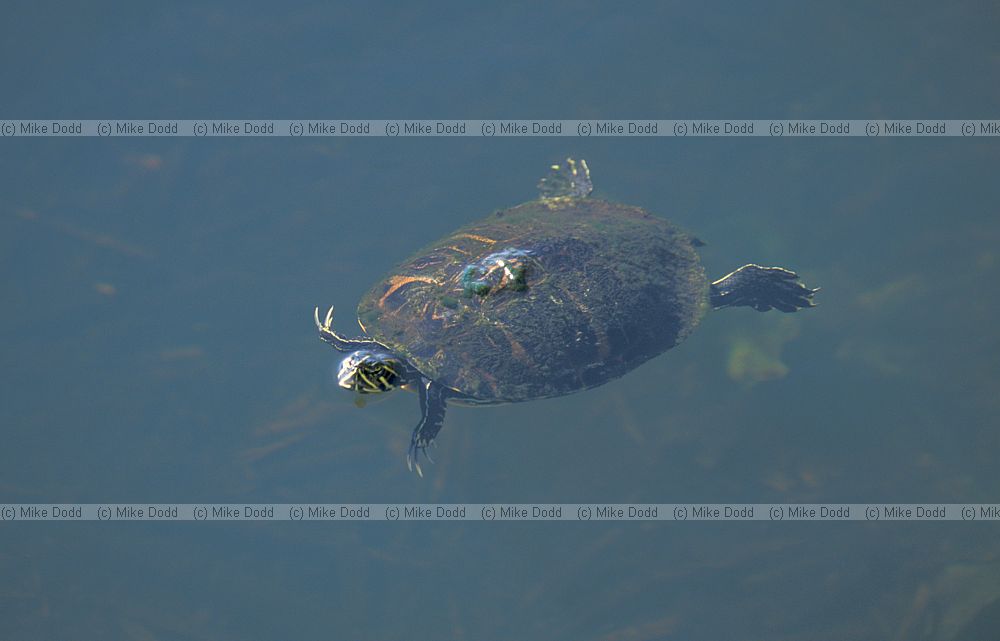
point(157, 340)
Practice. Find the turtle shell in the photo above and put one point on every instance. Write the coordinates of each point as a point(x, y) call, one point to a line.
point(543, 299)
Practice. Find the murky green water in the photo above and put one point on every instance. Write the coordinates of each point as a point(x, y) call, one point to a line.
point(158, 343)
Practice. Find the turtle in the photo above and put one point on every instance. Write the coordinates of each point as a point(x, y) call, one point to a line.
point(554, 296)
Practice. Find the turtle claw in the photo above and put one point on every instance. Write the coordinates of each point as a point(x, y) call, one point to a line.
point(327, 323)
point(409, 466)
point(329, 335)
point(413, 456)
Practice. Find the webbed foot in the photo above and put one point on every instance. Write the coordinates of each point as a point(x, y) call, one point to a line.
point(762, 288)
point(433, 403)
point(567, 180)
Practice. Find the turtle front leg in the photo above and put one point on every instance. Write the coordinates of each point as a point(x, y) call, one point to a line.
point(433, 404)
point(762, 288)
point(338, 342)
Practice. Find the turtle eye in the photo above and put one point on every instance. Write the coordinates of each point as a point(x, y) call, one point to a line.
point(377, 376)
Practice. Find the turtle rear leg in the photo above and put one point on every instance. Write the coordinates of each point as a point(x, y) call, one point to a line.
point(762, 288)
point(433, 403)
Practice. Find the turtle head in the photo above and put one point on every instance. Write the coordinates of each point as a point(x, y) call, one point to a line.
point(370, 372)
